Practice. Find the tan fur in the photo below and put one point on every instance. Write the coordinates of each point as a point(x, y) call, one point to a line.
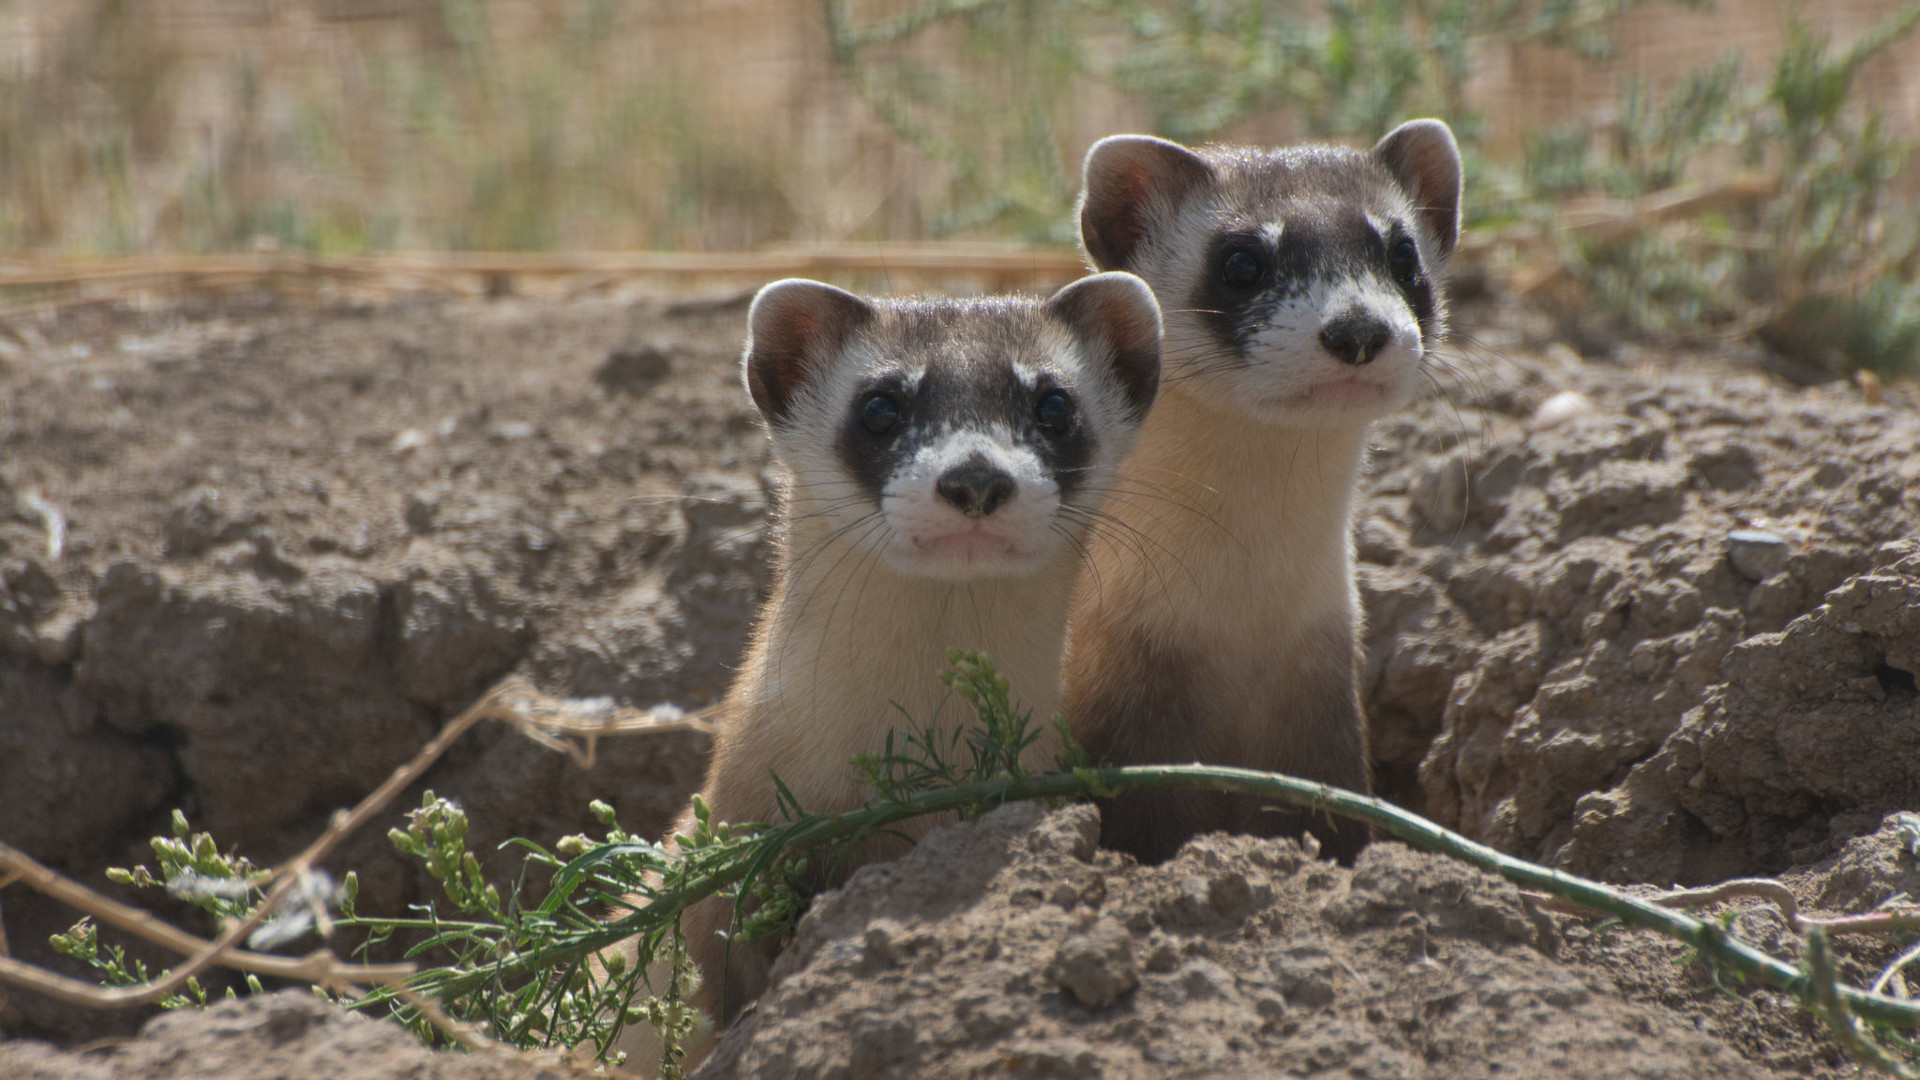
point(852, 641)
point(856, 643)
point(1181, 646)
point(1217, 619)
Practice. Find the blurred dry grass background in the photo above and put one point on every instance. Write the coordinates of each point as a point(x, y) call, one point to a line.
point(362, 125)
point(357, 126)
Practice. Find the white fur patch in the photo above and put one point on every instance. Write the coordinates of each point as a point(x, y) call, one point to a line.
point(931, 537)
point(1289, 378)
point(914, 531)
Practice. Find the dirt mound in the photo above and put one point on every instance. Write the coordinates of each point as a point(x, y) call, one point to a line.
point(1013, 947)
point(1655, 624)
point(1651, 617)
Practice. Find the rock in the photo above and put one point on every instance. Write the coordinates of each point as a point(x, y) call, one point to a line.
point(1758, 554)
point(1096, 965)
point(1560, 408)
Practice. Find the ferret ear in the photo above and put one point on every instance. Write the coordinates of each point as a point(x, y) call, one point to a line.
point(1423, 157)
point(794, 330)
point(1117, 314)
point(1125, 182)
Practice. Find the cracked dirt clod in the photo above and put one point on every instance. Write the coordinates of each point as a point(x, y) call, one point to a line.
point(1570, 659)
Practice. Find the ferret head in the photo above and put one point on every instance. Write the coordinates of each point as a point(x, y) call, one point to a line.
point(954, 439)
point(1301, 286)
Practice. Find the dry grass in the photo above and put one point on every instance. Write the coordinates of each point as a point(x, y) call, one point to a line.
point(350, 126)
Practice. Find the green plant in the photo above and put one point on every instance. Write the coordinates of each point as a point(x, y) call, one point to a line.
point(192, 868)
point(1818, 260)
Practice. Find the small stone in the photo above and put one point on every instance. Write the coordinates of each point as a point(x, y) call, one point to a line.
point(1161, 955)
point(200, 521)
point(1560, 408)
point(419, 513)
point(1756, 554)
point(1304, 974)
point(1097, 966)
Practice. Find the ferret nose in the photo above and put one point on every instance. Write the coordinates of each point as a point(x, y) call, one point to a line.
point(1355, 339)
point(975, 487)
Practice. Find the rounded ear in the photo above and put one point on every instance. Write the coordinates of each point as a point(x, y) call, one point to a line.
point(794, 329)
point(1423, 157)
point(1117, 313)
point(1124, 181)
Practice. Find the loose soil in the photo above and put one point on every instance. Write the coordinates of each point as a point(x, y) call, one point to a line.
point(1652, 616)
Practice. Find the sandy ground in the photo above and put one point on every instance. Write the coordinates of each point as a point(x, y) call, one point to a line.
point(1653, 616)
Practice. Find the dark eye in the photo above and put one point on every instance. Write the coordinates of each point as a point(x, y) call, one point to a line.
point(1054, 413)
point(880, 414)
point(1403, 260)
point(1241, 269)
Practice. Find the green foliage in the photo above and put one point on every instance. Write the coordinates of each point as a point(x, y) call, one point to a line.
point(522, 968)
point(193, 868)
point(436, 833)
point(1821, 268)
point(82, 942)
point(525, 967)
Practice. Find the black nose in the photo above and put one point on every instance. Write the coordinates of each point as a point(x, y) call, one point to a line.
point(1355, 339)
point(975, 487)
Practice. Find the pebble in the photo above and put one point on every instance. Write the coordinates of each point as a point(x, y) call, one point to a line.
point(1559, 409)
point(1756, 554)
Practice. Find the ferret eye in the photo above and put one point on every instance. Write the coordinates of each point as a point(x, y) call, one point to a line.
point(880, 414)
point(1054, 413)
point(1403, 260)
point(1241, 269)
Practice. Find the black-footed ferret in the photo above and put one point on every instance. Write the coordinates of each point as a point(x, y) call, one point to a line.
point(943, 457)
point(1301, 289)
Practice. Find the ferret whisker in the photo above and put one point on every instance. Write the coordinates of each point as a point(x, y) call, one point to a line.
point(1115, 528)
point(1116, 492)
point(1460, 421)
point(854, 548)
point(1479, 395)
